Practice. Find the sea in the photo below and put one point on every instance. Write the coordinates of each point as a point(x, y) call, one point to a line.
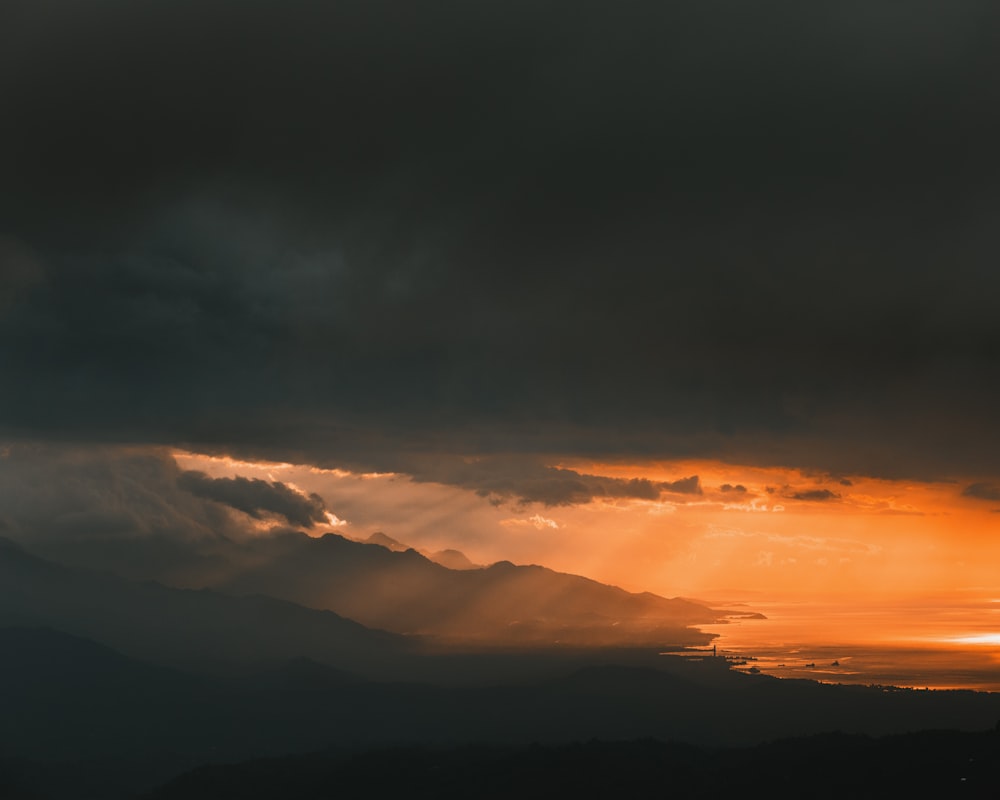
point(935, 642)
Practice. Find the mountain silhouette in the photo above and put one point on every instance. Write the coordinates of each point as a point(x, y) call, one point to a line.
point(450, 558)
point(388, 542)
point(403, 591)
point(204, 628)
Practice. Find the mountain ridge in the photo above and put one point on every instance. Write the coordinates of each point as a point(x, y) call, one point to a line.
point(406, 592)
point(168, 625)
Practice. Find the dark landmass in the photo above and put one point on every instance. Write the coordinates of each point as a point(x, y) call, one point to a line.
point(272, 584)
point(79, 714)
point(222, 631)
point(193, 629)
point(836, 765)
point(111, 687)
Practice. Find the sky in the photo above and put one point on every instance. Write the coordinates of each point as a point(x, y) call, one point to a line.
point(683, 296)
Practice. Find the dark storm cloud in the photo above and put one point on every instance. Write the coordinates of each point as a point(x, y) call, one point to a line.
point(982, 491)
point(254, 497)
point(525, 479)
point(728, 487)
point(815, 495)
point(690, 485)
point(55, 491)
point(19, 271)
point(345, 232)
point(113, 508)
point(564, 487)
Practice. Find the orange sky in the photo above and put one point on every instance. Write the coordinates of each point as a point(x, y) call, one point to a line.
point(751, 529)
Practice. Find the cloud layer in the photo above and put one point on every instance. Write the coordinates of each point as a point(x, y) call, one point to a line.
point(257, 497)
point(982, 491)
point(355, 232)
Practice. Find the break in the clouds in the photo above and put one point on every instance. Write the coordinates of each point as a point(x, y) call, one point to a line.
point(350, 233)
point(257, 497)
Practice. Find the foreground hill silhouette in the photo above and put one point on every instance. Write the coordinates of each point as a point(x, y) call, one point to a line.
point(928, 764)
point(79, 714)
point(406, 592)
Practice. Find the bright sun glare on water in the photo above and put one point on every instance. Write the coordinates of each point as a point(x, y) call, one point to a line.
point(983, 638)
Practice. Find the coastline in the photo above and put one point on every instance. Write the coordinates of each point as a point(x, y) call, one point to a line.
point(932, 643)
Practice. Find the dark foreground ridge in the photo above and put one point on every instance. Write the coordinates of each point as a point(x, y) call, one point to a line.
point(837, 765)
point(81, 720)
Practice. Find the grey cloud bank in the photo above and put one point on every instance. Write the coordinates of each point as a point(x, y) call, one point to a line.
point(361, 233)
point(256, 497)
point(982, 491)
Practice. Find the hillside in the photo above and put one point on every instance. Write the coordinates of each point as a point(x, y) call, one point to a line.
point(182, 627)
point(405, 592)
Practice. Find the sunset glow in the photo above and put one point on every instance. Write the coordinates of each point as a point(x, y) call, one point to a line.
point(991, 639)
point(743, 529)
point(836, 563)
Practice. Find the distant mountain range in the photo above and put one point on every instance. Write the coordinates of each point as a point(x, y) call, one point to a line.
point(382, 585)
point(340, 602)
point(450, 558)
